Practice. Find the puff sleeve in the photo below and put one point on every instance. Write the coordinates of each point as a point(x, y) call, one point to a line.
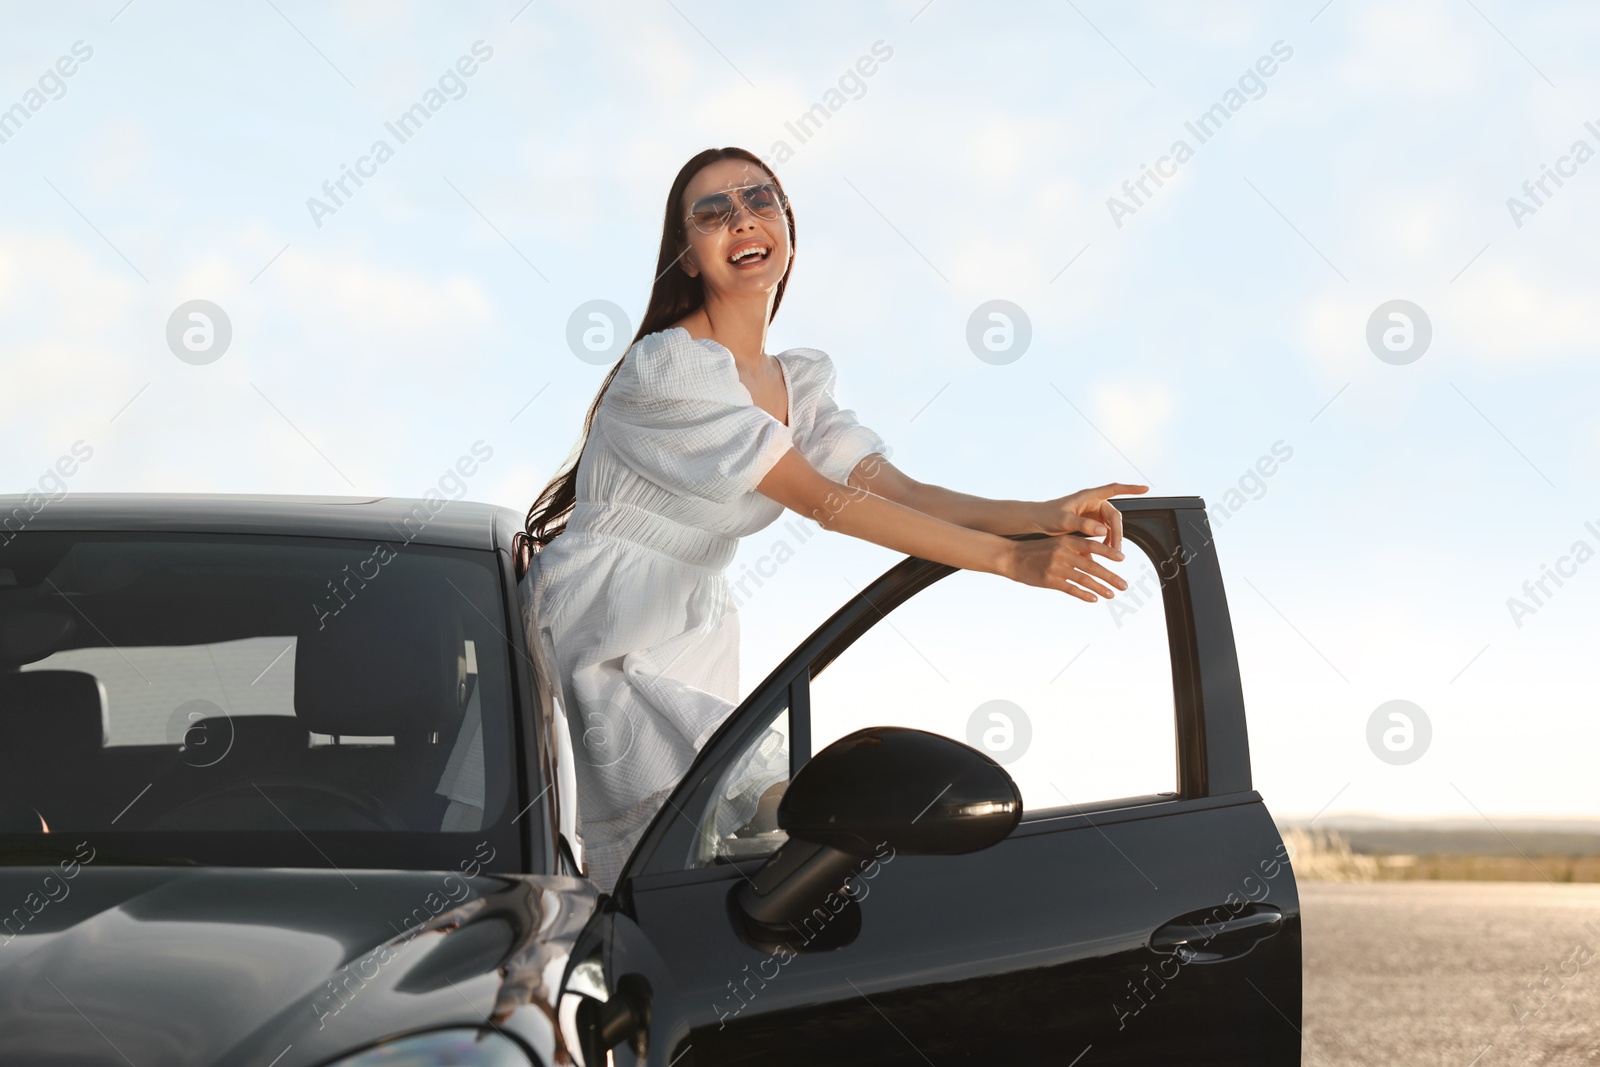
point(835, 441)
point(678, 414)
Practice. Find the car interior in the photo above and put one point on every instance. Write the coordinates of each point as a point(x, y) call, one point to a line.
point(212, 684)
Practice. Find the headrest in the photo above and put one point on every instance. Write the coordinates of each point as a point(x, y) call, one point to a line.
point(47, 714)
point(244, 737)
point(28, 634)
point(388, 670)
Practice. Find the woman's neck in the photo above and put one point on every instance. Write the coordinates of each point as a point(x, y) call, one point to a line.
point(740, 327)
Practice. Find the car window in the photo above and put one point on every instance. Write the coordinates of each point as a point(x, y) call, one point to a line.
point(1075, 700)
point(197, 688)
point(741, 818)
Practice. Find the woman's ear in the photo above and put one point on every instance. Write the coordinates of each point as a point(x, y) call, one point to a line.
point(687, 261)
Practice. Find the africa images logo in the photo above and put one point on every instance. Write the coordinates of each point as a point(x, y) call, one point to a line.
point(1206, 126)
point(451, 86)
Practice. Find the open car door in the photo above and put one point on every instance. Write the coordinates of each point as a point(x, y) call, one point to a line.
point(1159, 928)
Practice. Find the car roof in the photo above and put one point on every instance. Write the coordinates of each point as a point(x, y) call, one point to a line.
point(433, 521)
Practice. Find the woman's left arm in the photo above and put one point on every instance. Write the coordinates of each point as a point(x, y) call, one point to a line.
point(1088, 512)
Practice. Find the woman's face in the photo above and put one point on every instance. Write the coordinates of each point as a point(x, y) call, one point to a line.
point(708, 255)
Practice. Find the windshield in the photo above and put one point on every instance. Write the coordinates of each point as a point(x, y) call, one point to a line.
point(254, 701)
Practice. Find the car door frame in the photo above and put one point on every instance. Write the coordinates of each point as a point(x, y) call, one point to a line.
point(1212, 740)
point(548, 800)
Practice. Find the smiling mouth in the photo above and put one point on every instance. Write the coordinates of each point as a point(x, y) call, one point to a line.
point(750, 256)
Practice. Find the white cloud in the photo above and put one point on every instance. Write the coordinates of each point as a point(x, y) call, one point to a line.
point(1426, 48)
point(1508, 315)
point(384, 312)
point(1135, 415)
point(114, 157)
point(1414, 229)
point(67, 364)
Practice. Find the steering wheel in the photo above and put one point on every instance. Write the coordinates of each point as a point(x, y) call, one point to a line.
point(238, 807)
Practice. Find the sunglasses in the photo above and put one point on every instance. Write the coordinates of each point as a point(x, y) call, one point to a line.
point(710, 213)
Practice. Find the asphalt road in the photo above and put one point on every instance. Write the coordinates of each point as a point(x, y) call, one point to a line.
point(1487, 974)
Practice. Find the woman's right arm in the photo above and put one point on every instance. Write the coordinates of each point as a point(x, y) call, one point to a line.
point(1065, 562)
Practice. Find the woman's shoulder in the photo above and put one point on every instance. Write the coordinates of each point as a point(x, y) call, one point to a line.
point(672, 344)
point(671, 363)
point(812, 368)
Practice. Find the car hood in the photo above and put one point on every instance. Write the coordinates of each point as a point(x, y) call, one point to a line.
point(177, 966)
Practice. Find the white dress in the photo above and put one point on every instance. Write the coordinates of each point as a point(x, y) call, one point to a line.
point(632, 595)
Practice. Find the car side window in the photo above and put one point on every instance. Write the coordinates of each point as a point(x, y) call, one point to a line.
point(741, 819)
point(1074, 699)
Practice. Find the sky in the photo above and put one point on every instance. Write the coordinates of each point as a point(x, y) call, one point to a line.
point(1231, 312)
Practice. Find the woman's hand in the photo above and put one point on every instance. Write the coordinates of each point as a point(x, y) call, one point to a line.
point(1064, 562)
point(1089, 512)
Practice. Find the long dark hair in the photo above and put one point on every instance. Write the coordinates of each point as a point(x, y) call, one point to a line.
point(673, 296)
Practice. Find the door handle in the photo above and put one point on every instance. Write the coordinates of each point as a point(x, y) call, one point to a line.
point(1220, 933)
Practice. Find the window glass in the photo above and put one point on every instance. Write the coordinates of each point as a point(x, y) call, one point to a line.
point(1073, 699)
point(741, 820)
point(193, 685)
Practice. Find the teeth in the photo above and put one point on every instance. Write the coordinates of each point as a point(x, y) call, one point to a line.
point(744, 252)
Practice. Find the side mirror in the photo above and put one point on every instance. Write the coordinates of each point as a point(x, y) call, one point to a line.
point(919, 793)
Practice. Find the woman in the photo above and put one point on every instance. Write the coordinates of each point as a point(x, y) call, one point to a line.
point(697, 438)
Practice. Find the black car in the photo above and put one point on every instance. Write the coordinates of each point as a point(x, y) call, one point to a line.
point(283, 783)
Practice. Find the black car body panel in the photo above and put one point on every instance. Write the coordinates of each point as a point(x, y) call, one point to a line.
point(168, 965)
